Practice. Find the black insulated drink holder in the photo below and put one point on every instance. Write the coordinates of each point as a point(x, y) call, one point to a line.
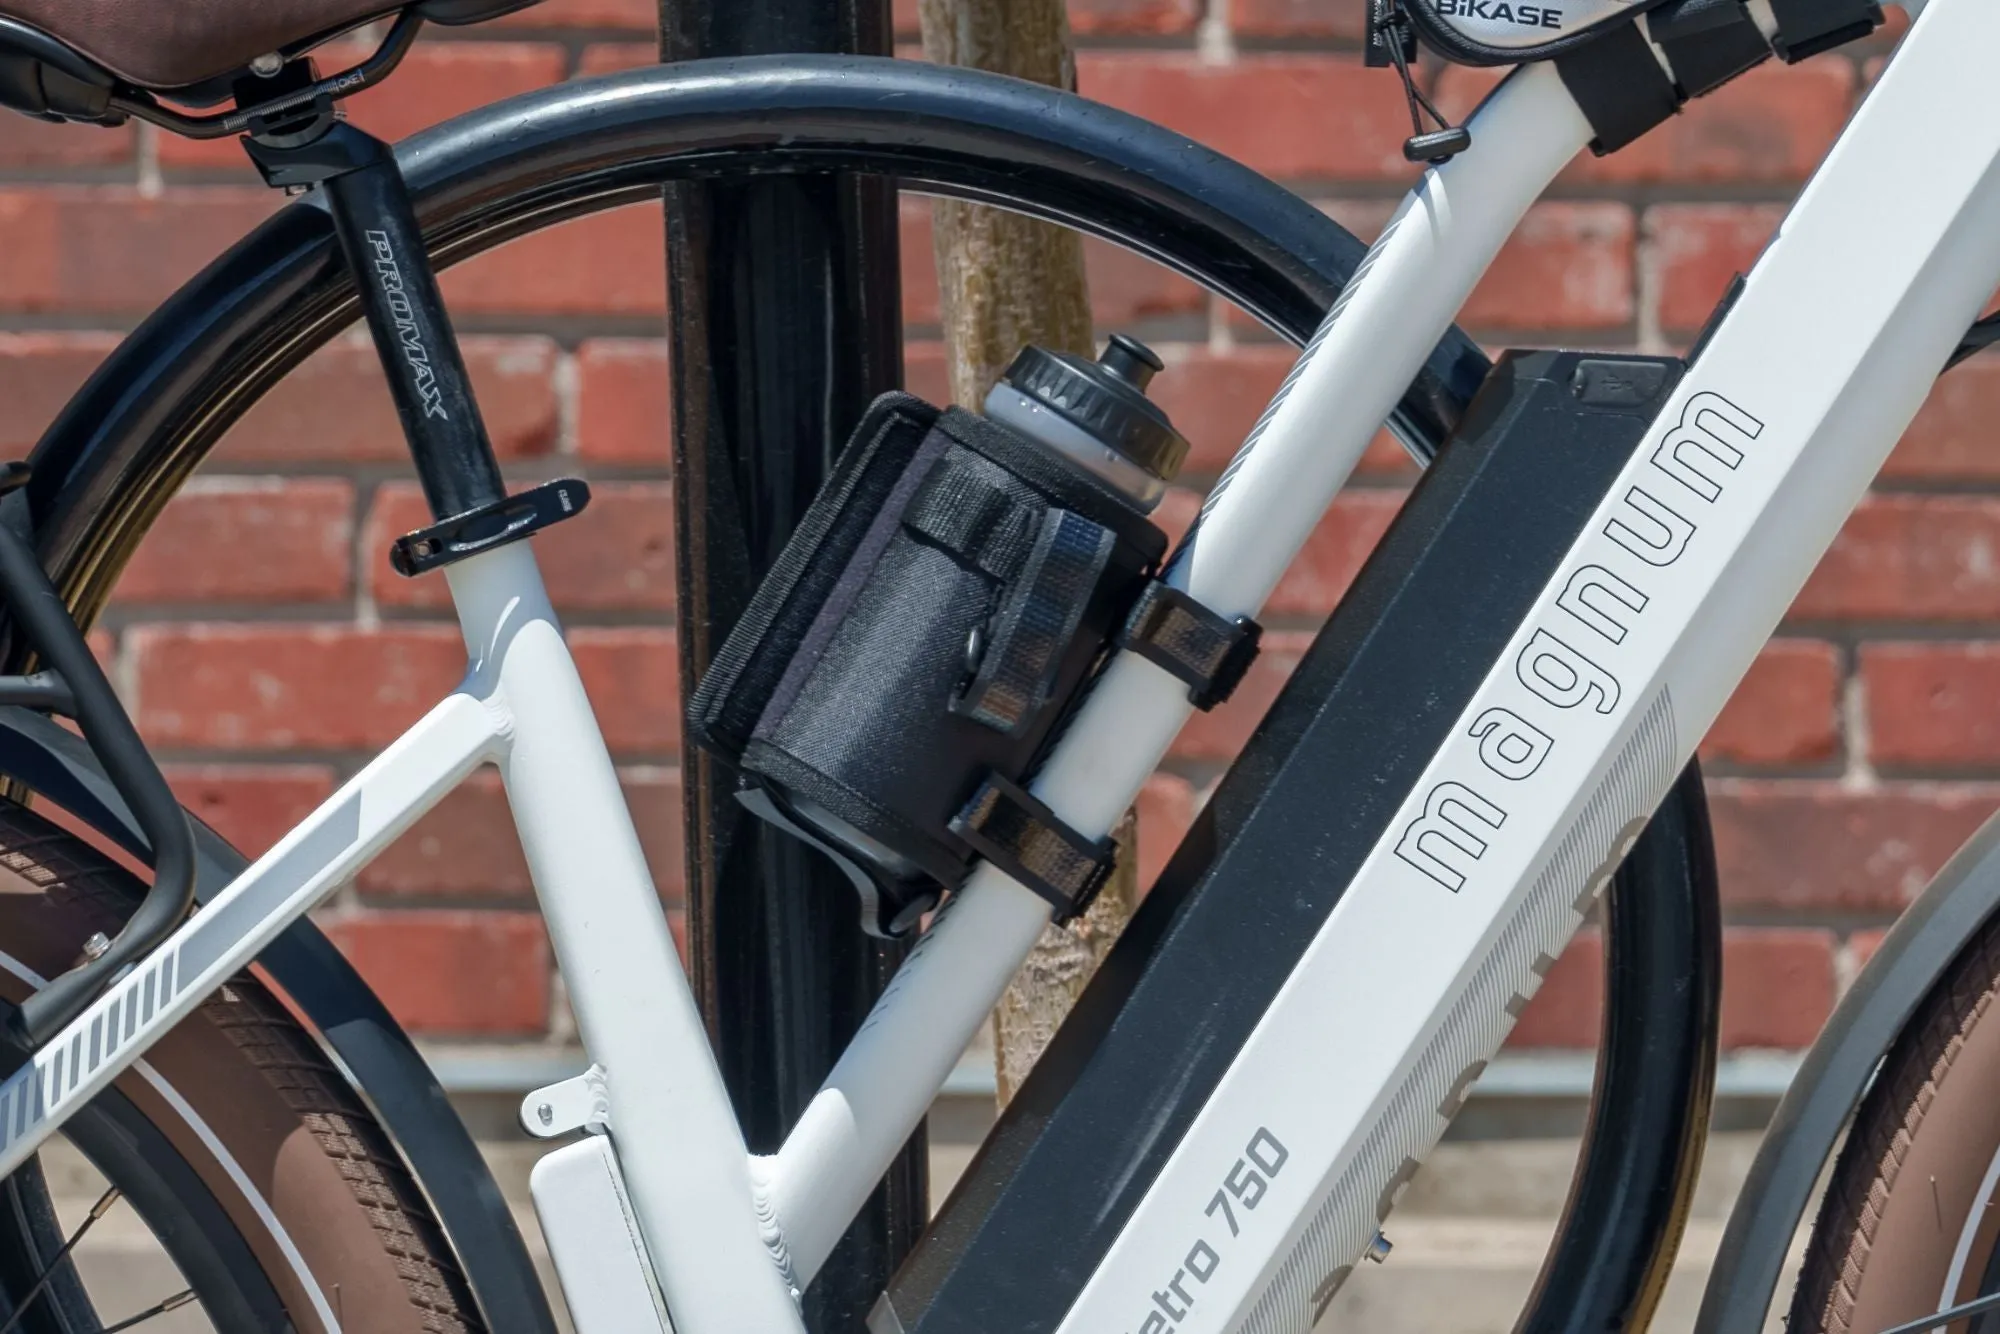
point(916, 648)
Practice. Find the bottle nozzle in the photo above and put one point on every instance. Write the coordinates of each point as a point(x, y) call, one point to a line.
point(1131, 360)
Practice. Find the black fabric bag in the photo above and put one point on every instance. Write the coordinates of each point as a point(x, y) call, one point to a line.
point(927, 626)
point(1516, 32)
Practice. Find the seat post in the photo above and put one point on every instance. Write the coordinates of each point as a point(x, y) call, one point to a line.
point(378, 234)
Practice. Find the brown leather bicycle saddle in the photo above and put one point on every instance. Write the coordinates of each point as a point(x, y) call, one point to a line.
point(164, 44)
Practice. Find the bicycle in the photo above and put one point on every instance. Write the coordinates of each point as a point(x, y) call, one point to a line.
point(1256, 1190)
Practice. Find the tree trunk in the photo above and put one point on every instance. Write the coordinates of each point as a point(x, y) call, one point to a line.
point(1004, 281)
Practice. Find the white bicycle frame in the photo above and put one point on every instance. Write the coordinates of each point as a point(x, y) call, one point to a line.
point(1743, 481)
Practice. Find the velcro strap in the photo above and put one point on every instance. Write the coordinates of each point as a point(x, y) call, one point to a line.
point(1708, 42)
point(969, 515)
point(1619, 86)
point(1038, 617)
point(1209, 652)
point(1808, 27)
point(1007, 826)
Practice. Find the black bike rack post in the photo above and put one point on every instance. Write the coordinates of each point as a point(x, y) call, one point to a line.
point(785, 323)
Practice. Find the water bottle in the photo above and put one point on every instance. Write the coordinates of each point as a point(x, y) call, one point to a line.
point(1095, 414)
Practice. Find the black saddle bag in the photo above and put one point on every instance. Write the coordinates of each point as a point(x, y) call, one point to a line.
point(906, 663)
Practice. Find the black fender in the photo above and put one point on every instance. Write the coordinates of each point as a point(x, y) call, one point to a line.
point(1834, 1076)
point(349, 1018)
point(156, 407)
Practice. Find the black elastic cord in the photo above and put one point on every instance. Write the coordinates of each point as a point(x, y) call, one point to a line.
point(1434, 146)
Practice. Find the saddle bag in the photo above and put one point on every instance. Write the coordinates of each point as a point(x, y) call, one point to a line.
point(906, 663)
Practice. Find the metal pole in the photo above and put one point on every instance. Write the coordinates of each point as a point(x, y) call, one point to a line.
point(785, 322)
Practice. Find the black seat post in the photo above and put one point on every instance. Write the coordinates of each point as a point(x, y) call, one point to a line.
point(399, 294)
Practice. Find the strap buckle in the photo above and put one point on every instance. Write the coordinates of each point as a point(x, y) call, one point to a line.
point(1009, 827)
point(1208, 651)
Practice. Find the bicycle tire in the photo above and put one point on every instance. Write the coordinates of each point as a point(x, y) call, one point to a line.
point(259, 1171)
point(1910, 1223)
point(141, 425)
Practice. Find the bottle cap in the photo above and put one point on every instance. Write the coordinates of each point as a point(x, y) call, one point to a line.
point(1106, 398)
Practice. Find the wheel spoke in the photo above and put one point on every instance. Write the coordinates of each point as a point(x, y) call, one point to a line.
point(1977, 1306)
point(173, 1303)
point(97, 1211)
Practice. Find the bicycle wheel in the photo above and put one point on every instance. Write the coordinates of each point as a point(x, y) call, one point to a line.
point(275, 1199)
point(1910, 1223)
point(136, 432)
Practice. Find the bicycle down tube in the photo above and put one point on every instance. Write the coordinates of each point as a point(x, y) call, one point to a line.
point(1628, 653)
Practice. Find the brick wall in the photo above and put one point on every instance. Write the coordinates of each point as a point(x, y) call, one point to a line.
point(1864, 746)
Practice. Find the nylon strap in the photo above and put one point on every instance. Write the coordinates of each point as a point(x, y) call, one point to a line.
point(967, 514)
point(1708, 42)
point(1622, 91)
point(1619, 86)
point(1039, 614)
point(1808, 27)
point(1007, 826)
point(1209, 652)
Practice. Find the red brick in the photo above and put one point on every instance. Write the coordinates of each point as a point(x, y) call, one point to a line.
point(1773, 124)
point(280, 686)
point(436, 81)
point(612, 263)
point(336, 406)
point(1568, 1009)
point(924, 372)
point(1930, 558)
point(1567, 266)
point(247, 539)
point(1220, 733)
point(251, 805)
point(106, 249)
point(1094, 18)
point(1952, 438)
point(1786, 711)
point(616, 57)
point(617, 556)
point(624, 408)
point(1216, 397)
point(1285, 115)
point(40, 143)
point(1334, 554)
point(632, 675)
point(38, 373)
point(1123, 286)
point(1819, 847)
point(1176, 513)
point(1151, 18)
point(1299, 18)
point(637, 15)
point(1777, 986)
point(1166, 809)
point(472, 973)
point(1698, 248)
point(1932, 705)
point(654, 796)
point(466, 846)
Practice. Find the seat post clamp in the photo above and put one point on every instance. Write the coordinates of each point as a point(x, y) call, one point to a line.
point(488, 526)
